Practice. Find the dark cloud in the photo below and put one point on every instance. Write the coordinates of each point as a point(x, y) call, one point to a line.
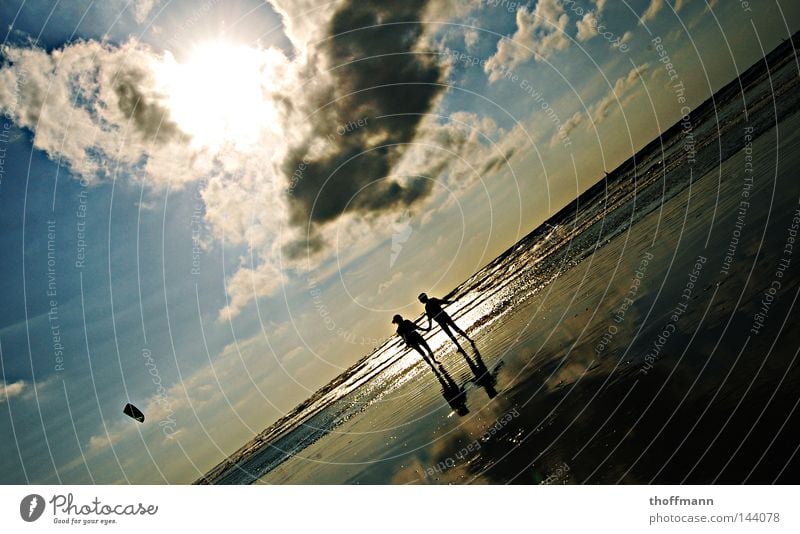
point(302, 248)
point(498, 162)
point(375, 73)
point(147, 117)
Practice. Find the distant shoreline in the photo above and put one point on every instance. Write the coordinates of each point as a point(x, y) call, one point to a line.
point(649, 157)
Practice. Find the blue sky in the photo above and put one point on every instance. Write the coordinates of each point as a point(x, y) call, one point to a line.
point(190, 302)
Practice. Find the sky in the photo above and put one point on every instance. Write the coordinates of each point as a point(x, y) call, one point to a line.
point(211, 208)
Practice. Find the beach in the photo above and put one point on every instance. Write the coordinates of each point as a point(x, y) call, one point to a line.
point(643, 335)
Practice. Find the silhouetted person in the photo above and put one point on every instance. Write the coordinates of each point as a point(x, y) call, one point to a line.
point(434, 311)
point(483, 377)
point(455, 396)
point(407, 331)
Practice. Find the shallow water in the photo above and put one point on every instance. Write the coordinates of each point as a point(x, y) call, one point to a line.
point(572, 382)
point(718, 404)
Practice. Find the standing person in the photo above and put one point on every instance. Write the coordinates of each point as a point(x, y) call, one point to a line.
point(407, 331)
point(434, 311)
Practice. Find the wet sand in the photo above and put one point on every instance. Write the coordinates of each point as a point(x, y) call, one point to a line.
point(658, 345)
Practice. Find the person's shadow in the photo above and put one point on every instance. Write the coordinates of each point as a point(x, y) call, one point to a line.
point(455, 395)
point(483, 376)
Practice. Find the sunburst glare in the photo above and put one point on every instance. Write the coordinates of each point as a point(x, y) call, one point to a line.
point(221, 94)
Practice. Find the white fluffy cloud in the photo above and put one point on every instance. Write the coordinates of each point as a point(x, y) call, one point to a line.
point(142, 8)
point(96, 108)
point(106, 110)
point(601, 109)
point(248, 283)
point(460, 149)
point(304, 20)
point(8, 391)
point(539, 34)
point(621, 88)
point(587, 26)
point(120, 110)
point(652, 10)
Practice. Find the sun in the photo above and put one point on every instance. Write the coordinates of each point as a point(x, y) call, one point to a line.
point(220, 94)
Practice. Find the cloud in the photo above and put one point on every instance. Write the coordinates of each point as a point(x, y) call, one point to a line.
point(626, 37)
point(471, 38)
point(8, 391)
point(601, 109)
point(539, 34)
point(142, 8)
point(294, 356)
point(95, 107)
point(587, 26)
point(105, 110)
point(353, 99)
point(568, 127)
point(651, 11)
point(304, 20)
point(383, 287)
point(621, 87)
point(247, 284)
point(460, 149)
point(99, 442)
point(347, 110)
point(377, 84)
point(148, 118)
